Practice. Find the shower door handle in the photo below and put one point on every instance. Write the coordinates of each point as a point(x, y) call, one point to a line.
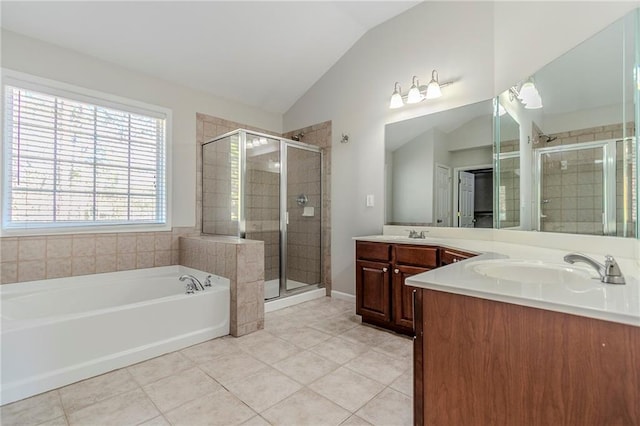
point(287, 217)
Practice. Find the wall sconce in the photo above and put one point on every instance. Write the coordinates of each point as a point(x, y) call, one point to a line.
point(417, 93)
point(528, 94)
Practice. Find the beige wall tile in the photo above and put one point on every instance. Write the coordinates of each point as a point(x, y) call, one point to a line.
point(31, 270)
point(162, 258)
point(106, 244)
point(83, 265)
point(163, 240)
point(8, 272)
point(146, 242)
point(83, 245)
point(126, 244)
point(8, 249)
point(106, 263)
point(145, 260)
point(58, 268)
point(126, 261)
point(58, 247)
point(31, 248)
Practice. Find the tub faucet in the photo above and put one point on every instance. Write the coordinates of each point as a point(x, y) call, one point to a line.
point(193, 282)
point(609, 272)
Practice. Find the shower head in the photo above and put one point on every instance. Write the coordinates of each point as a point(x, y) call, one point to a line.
point(297, 137)
point(546, 138)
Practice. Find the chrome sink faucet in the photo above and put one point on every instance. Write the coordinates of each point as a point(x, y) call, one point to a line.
point(609, 272)
point(193, 285)
point(415, 234)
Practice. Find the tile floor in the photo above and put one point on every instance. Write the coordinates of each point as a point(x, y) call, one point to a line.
point(314, 364)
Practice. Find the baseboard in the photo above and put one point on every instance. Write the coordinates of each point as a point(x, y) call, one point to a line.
point(274, 305)
point(343, 296)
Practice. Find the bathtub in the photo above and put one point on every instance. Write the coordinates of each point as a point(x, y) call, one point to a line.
point(58, 331)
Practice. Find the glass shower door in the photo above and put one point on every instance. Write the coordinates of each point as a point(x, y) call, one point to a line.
point(262, 204)
point(302, 204)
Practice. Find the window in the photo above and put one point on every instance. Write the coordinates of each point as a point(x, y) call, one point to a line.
point(75, 161)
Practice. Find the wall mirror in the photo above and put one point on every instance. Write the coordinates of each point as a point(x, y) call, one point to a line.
point(438, 169)
point(576, 165)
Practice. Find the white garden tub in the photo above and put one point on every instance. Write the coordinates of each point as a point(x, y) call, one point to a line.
point(59, 331)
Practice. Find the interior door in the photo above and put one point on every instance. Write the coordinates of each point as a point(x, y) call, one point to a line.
point(466, 185)
point(443, 196)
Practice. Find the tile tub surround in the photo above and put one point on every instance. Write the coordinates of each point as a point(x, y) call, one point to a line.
point(313, 364)
point(242, 262)
point(58, 256)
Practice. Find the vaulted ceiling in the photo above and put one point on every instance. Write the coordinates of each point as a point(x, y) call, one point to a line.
point(261, 53)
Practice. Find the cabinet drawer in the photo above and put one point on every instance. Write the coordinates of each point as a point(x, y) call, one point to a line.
point(373, 251)
point(416, 255)
point(448, 256)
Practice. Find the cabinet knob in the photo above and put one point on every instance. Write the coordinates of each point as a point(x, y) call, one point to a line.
point(455, 260)
point(384, 269)
point(396, 271)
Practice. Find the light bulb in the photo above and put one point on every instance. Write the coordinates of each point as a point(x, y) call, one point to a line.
point(414, 96)
point(433, 88)
point(396, 98)
point(535, 102)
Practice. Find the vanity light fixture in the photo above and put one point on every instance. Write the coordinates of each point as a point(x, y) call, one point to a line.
point(528, 94)
point(417, 93)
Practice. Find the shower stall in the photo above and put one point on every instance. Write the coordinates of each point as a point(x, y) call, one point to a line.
point(267, 188)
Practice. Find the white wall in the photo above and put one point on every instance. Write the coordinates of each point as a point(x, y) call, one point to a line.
point(45, 60)
point(485, 47)
point(472, 157)
point(474, 134)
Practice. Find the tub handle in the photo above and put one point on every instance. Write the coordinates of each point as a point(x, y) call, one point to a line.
point(207, 282)
point(190, 289)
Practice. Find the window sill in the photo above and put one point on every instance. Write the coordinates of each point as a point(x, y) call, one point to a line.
point(113, 229)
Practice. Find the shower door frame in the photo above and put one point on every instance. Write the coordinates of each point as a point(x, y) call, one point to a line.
point(608, 176)
point(284, 145)
point(242, 219)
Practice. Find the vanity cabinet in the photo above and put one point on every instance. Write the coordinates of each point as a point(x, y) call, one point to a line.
point(449, 256)
point(479, 361)
point(382, 299)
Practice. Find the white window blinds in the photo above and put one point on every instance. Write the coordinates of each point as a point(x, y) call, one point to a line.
point(74, 163)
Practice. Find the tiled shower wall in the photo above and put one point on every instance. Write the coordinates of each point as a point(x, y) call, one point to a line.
point(574, 191)
point(263, 220)
point(510, 185)
point(303, 232)
point(320, 135)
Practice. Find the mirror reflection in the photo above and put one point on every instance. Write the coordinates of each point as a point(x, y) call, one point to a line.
point(438, 169)
point(577, 156)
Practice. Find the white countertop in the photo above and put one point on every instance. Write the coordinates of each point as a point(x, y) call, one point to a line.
point(591, 298)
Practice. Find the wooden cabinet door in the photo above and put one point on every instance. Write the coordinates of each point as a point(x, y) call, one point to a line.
point(403, 295)
point(373, 290)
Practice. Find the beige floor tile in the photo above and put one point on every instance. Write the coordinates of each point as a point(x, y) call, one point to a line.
point(347, 388)
point(305, 337)
point(306, 367)
point(220, 408)
point(129, 408)
point(396, 346)
point(58, 421)
point(271, 350)
point(157, 368)
point(339, 350)
point(156, 421)
point(389, 408)
point(88, 392)
point(355, 421)
point(306, 407)
point(404, 383)
point(34, 410)
point(263, 389)
point(365, 335)
point(172, 391)
point(378, 366)
point(256, 421)
point(335, 326)
point(211, 350)
point(230, 368)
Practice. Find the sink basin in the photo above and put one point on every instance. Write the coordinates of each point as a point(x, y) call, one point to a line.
point(531, 272)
